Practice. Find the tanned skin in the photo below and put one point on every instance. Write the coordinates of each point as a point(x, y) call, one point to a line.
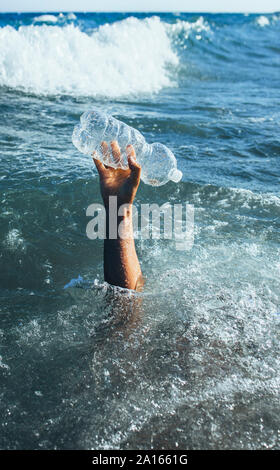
point(121, 264)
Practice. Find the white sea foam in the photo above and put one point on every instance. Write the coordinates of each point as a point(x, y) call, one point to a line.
point(182, 30)
point(14, 241)
point(262, 21)
point(45, 19)
point(3, 365)
point(127, 57)
point(186, 26)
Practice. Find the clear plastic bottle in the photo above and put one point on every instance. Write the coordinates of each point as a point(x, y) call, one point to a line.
point(158, 163)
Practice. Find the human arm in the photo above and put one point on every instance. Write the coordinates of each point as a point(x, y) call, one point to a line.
point(121, 264)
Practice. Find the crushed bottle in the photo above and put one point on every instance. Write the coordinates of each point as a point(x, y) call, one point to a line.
point(158, 163)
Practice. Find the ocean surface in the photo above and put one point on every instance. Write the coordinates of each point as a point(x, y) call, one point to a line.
point(193, 361)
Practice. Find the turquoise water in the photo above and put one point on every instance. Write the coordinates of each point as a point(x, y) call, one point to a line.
point(193, 362)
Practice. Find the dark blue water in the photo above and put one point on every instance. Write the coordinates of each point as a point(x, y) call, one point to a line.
point(194, 361)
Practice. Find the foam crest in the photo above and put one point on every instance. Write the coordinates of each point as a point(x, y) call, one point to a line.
point(119, 59)
point(262, 21)
point(45, 19)
point(270, 20)
point(199, 25)
point(185, 28)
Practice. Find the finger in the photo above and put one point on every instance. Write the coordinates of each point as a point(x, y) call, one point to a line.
point(131, 158)
point(130, 151)
point(116, 152)
point(105, 151)
point(133, 165)
point(99, 165)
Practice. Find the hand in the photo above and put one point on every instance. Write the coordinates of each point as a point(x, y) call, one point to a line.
point(117, 181)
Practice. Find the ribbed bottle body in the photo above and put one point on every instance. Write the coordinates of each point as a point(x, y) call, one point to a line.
point(157, 161)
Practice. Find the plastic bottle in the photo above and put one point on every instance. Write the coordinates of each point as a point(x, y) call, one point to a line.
point(158, 162)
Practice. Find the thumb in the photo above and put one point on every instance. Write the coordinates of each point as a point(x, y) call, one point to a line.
point(99, 165)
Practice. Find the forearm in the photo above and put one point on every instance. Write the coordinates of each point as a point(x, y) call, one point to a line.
point(121, 265)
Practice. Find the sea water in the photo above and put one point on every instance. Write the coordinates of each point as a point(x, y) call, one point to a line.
point(193, 361)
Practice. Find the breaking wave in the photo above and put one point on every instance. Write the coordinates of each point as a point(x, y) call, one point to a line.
point(127, 57)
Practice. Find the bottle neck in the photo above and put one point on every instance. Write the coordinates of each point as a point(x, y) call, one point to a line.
point(175, 175)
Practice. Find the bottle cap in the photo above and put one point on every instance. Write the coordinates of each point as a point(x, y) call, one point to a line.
point(175, 175)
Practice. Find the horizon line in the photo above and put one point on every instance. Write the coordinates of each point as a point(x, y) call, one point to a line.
point(143, 11)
